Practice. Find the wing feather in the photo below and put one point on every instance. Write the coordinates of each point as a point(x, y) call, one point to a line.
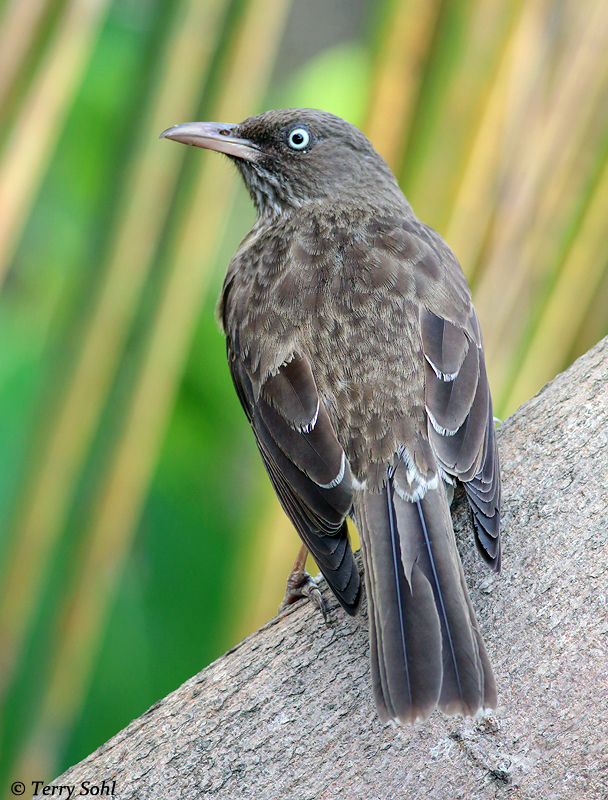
point(306, 465)
point(461, 422)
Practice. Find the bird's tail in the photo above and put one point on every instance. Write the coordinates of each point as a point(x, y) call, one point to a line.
point(425, 645)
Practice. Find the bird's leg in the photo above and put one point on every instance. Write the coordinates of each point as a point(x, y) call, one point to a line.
point(301, 584)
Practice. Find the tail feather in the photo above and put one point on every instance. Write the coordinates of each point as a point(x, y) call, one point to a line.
point(404, 625)
point(426, 648)
point(490, 698)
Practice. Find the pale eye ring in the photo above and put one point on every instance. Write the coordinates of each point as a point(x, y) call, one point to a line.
point(298, 139)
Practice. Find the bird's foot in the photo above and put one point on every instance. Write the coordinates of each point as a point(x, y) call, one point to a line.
point(301, 584)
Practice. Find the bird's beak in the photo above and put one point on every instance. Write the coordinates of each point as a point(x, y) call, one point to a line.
point(213, 136)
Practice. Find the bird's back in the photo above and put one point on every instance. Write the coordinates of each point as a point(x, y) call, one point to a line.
point(343, 287)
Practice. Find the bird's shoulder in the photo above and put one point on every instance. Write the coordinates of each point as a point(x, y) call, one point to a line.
point(334, 261)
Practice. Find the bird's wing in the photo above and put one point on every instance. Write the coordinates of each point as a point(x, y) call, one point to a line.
point(425, 643)
point(306, 465)
point(457, 395)
point(461, 422)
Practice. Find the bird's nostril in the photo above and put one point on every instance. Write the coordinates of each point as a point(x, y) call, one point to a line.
point(224, 132)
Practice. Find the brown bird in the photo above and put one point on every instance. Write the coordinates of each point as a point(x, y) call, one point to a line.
point(356, 353)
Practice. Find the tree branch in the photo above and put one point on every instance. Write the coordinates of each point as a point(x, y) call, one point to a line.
point(288, 712)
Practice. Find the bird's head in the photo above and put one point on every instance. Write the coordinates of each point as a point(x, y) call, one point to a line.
point(291, 157)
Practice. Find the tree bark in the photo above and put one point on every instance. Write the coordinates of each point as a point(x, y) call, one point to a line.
point(288, 712)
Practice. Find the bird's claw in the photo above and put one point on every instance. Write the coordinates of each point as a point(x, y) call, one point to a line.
point(301, 584)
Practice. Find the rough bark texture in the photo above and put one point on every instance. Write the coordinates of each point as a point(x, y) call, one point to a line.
point(288, 712)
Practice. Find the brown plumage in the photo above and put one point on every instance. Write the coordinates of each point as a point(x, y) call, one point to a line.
point(357, 356)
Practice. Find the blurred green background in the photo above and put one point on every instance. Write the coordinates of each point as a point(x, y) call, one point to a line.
point(139, 537)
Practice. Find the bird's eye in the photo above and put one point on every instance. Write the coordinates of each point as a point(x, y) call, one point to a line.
point(298, 139)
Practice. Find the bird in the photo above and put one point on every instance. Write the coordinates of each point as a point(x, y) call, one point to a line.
point(357, 356)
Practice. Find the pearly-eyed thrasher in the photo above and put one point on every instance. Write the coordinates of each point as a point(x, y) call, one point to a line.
point(356, 353)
